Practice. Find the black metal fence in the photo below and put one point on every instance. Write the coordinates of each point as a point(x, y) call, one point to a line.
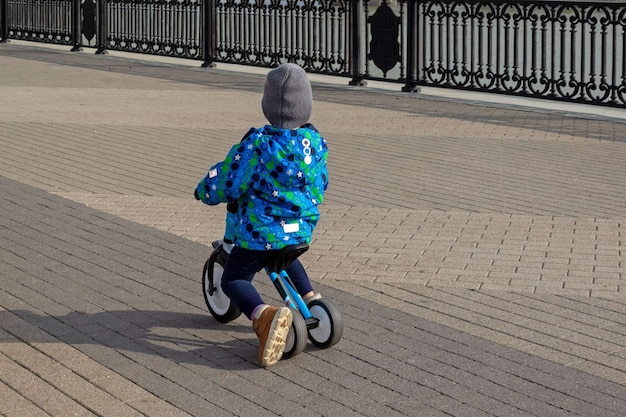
point(571, 51)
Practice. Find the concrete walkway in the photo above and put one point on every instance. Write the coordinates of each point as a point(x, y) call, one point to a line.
point(475, 248)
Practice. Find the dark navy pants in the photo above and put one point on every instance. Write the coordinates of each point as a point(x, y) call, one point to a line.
point(240, 269)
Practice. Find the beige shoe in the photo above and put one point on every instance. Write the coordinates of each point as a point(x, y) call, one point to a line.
point(310, 298)
point(272, 329)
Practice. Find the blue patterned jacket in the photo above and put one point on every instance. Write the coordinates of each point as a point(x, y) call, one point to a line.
point(278, 178)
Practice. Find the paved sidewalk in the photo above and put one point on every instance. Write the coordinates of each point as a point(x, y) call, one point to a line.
point(476, 250)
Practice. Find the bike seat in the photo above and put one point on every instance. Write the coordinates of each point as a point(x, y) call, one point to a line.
point(285, 256)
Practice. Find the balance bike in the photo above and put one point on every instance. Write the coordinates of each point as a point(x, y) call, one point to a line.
point(319, 319)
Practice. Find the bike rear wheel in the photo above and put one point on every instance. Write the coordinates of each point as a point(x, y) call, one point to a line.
point(297, 336)
point(329, 330)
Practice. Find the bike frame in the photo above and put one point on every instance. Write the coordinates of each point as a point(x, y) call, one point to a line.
point(291, 297)
point(283, 284)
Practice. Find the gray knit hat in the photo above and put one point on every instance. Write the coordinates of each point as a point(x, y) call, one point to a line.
point(287, 98)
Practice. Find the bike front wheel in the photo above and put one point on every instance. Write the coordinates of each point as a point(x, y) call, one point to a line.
point(220, 306)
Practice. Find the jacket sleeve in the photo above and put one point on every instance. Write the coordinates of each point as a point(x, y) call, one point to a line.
point(324, 155)
point(226, 181)
point(325, 173)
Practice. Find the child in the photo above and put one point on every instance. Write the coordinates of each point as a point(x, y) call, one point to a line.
point(273, 182)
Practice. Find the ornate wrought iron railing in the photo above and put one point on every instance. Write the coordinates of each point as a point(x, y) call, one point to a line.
point(569, 50)
point(48, 21)
point(564, 51)
point(164, 27)
point(313, 34)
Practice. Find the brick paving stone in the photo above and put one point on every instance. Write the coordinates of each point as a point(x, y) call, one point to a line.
point(474, 251)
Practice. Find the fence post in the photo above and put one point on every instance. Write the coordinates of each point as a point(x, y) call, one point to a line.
point(411, 48)
point(102, 22)
point(4, 22)
point(356, 58)
point(209, 34)
point(76, 26)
